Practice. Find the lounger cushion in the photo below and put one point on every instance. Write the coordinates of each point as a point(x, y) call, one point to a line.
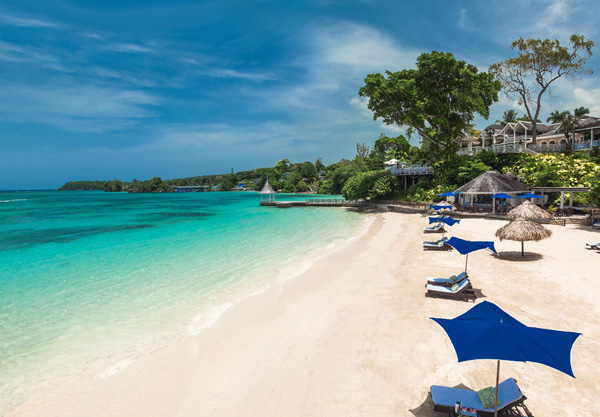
point(446, 290)
point(445, 396)
point(487, 397)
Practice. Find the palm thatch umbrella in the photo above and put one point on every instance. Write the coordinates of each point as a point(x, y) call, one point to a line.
point(528, 210)
point(523, 230)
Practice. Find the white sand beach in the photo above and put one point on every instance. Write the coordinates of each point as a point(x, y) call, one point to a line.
point(351, 335)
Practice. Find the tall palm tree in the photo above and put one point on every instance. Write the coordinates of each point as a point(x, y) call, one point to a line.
point(582, 112)
point(509, 116)
point(558, 116)
point(526, 118)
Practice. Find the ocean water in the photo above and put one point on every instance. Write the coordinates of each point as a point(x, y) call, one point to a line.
point(89, 280)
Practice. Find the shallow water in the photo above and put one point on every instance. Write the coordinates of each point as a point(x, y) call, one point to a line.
point(88, 279)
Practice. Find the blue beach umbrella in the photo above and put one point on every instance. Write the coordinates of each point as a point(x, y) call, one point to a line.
point(502, 195)
point(446, 219)
point(531, 195)
point(437, 207)
point(487, 332)
point(464, 247)
point(448, 194)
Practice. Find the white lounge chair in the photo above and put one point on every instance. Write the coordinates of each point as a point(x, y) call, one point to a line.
point(447, 282)
point(462, 292)
point(436, 228)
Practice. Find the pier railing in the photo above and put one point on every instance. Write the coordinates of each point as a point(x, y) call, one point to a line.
point(326, 201)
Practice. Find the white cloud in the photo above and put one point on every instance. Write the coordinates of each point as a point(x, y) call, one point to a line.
point(462, 19)
point(128, 47)
point(361, 48)
point(230, 73)
point(78, 107)
point(25, 22)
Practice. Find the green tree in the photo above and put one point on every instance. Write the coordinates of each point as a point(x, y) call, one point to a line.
point(438, 100)
point(289, 187)
point(308, 170)
point(509, 116)
point(582, 112)
point(226, 184)
point(319, 164)
point(595, 190)
point(386, 148)
point(282, 166)
point(338, 175)
point(558, 116)
point(362, 150)
point(538, 64)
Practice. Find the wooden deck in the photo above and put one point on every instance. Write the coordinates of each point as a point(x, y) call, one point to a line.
point(317, 202)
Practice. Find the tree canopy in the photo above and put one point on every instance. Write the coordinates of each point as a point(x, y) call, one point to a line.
point(538, 64)
point(438, 100)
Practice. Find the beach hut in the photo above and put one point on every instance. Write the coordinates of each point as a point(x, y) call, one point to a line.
point(267, 193)
point(481, 189)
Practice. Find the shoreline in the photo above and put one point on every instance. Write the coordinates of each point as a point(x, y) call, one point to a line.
point(351, 334)
point(206, 316)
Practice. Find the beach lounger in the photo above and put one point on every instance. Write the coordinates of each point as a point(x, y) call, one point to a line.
point(593, 245)
point(447, 282)
point(512, 400)
point(437, 245)
point(436, 228)
point(462, 292)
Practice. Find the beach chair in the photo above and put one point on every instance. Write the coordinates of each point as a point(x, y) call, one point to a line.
point(436, 228)
point(593, 245)
point(448, 282)
point(437, 245)
point(463, 292)
point(512, 400)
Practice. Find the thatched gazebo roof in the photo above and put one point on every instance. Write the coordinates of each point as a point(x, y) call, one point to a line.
point(491, 182)
point(528, 210)
point(522, 230)
point(267, 189)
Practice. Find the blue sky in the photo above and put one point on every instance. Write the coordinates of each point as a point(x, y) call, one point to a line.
point(133, 89)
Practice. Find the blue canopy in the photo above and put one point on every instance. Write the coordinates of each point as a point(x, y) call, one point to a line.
point(448, 220)
point(437, 207)
point(530, 195)
point(465, 247)
point(487, 332)
point(502, 195)
point(448, 194)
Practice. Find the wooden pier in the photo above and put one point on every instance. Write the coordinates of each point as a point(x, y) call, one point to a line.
point(316, 202)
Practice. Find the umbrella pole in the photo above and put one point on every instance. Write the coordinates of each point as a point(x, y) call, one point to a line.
point(497, 382)
point(466, 260)
point(522, 248)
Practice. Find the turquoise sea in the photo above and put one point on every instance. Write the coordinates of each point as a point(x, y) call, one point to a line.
point(89, 280)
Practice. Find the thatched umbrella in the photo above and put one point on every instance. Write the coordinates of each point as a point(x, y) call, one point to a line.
point(528, 210)
point(522, 230)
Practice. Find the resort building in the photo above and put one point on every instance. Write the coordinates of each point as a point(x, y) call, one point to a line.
point(517, 137)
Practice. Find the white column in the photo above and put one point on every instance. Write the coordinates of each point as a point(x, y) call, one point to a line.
point(562, 199)
point(571, 199)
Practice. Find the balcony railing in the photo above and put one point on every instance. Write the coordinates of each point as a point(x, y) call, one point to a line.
point(416, 169)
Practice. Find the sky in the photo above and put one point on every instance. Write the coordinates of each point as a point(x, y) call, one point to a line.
point(97, 90)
